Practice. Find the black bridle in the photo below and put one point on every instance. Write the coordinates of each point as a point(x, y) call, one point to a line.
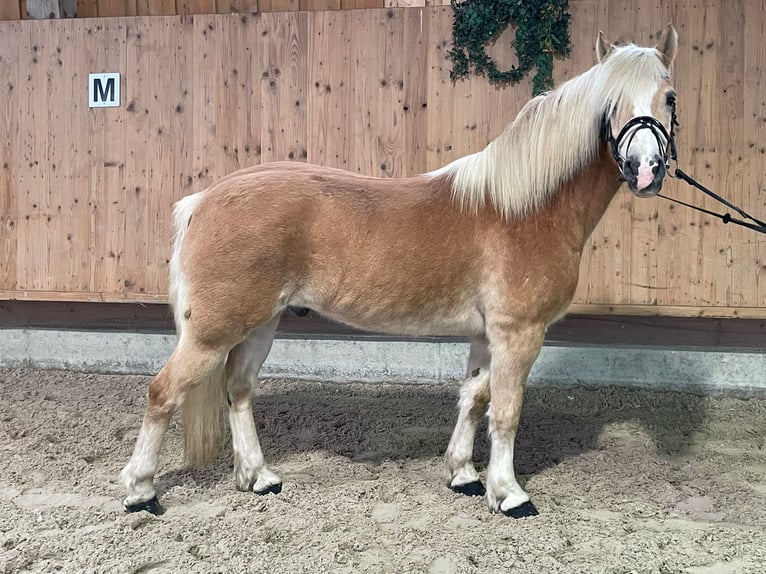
point(666, 142)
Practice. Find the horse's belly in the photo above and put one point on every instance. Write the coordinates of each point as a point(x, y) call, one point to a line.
point(464, 321)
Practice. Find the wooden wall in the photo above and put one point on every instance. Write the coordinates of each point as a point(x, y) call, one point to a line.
point(16, 9)
point(85, 195)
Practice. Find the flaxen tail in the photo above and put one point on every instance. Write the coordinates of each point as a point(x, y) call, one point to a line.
point(203, 404)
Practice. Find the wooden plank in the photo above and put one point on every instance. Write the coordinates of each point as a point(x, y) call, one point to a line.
point(735, 280)
point(754, 118)
point(329, 89)
point(107, 8)
point(278, 5)
point(81, 296)
point(110, 190)
point(226, 89)
point(319, 5)
point(32, 189)
point(415, 92)
point(243, 6)
point(68, 250)
point(158, 168)
point(284, 86)
point(43, 9)
point(702, 248)
point(602, 259)
point(376, 96)
point(155, 7)
point(84, 209)
point(87, 8)
point(185, 7)
point(358, 4)
point(10, 10)
point(10, 82)
point(464, 116)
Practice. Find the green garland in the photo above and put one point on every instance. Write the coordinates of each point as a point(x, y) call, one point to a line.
point(542, 32)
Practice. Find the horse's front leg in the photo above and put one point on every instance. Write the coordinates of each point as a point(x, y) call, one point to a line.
point(514, 349)
point(474, 397)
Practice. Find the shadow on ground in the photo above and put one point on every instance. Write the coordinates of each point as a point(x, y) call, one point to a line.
point(372, 424)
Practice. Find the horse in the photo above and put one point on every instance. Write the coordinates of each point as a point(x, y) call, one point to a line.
point(487, 247)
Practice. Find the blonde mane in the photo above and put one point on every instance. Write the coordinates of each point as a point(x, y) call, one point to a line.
point(554, 136)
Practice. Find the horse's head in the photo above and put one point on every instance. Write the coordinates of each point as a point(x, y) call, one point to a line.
point(639, 120)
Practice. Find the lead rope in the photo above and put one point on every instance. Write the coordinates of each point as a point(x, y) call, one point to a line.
point(756, 225)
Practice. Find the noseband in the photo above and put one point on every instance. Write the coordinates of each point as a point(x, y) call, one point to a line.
point(630, 129)
point(665, 141)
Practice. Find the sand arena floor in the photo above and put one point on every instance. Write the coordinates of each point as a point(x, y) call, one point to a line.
point(625, 480)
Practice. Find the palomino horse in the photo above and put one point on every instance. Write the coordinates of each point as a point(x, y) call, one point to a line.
point(487, 247)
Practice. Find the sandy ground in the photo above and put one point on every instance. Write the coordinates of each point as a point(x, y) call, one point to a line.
point(625, 480)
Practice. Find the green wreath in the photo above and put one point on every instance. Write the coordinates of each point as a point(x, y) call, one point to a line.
point(542, 32)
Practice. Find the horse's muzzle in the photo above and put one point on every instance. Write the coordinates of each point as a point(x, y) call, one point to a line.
point(644, 180)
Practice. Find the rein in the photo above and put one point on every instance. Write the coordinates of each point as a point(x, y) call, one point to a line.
point(659, 132)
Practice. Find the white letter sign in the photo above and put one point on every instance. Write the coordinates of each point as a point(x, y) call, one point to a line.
point(104, 90)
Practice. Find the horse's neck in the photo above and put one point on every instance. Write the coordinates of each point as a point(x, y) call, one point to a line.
point(581, 203)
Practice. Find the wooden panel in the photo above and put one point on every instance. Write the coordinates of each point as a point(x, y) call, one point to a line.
point(208, 94)
point(87, 8)
point(10, 41)
point(283, 45)
point(10, 10)
point(159, 145)
point(237, 6)
point(119, 8)
point(195, 7)
point(376, 94)
point(278, 5)
point(226, 98)
point(754, 119)
point(156, 7)
point(415, 92)
point(32, 191)
point(329, 89)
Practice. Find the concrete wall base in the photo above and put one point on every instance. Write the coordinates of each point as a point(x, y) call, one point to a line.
point(699, 371)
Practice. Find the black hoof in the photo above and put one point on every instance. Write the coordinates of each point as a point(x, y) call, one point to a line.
point(152, 505)
point(273, 489)
point(522, 511)
point(475, 488)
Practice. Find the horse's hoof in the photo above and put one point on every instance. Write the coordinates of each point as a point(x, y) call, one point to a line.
point(272, 489)
point(522, 511)
point(475, 488)
point(152, 505)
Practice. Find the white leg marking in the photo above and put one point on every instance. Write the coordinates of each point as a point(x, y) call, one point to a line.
point(514, 350)
point(503, 492)
point(138, 474)
point(243, 366)
point(474, 397)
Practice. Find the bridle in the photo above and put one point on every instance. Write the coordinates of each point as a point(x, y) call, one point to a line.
point(667, 143)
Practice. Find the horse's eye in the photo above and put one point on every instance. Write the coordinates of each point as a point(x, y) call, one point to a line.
point(670, 99)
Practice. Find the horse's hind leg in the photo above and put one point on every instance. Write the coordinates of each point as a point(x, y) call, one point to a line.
point(242, 369)
point(189, 364)
point(474, 397)
point(514, 349)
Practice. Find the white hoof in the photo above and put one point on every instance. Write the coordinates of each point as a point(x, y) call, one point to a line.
point(267, 482)
point(513, 500)
point(464, 475)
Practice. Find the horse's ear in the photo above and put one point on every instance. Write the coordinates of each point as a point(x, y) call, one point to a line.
point(668, 46)
point(603, 47)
